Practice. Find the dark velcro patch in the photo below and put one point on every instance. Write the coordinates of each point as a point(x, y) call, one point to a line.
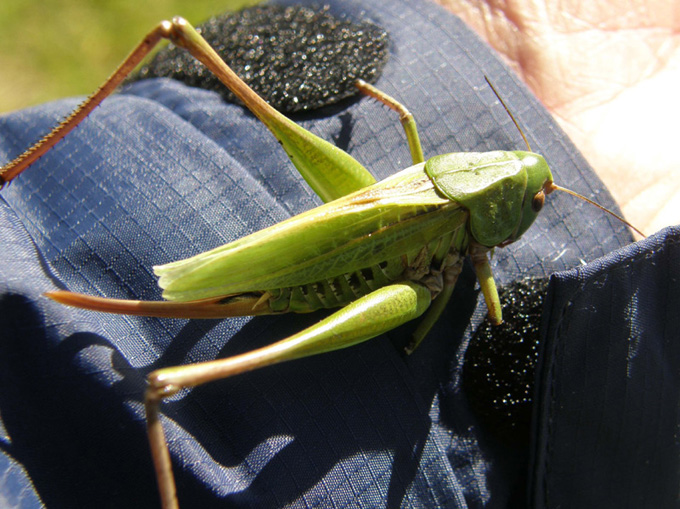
point(296, 58)
point(501, 360)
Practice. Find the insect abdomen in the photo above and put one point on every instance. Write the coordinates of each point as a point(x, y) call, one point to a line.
point(337, 291)
point(423, 265)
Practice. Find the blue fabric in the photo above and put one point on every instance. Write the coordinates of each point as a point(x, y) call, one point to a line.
point(161, 171)
point(606, 413)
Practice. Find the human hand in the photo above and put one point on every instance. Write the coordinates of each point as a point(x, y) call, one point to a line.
point(609, 73)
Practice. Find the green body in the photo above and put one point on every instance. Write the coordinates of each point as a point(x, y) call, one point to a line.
point(335, 253)
point(330, 248)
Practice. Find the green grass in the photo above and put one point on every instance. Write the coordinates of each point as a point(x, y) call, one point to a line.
point(53, 49)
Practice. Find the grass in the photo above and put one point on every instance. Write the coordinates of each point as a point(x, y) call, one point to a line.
point(51, 49)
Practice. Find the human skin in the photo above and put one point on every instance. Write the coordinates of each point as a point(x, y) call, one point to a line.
point(609, 72)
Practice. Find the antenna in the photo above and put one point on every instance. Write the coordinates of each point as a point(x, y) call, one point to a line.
point(507, 110)
point(555, 187)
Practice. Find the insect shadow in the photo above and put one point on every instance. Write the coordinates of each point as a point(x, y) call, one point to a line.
point(95, 409)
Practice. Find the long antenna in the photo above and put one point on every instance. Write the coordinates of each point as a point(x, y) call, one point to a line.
point(507, 110)
point(553, 186)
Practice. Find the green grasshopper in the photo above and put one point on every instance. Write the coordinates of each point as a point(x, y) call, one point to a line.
point(384, 253)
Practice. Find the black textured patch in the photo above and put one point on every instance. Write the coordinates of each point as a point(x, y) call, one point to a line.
point(296, 58)
point(500, 363)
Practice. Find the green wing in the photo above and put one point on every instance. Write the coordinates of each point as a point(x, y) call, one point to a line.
point(379, 222)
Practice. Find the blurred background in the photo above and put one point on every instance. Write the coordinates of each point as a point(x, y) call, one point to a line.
point(60, 49)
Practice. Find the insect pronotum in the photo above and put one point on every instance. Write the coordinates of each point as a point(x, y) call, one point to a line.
point(384, 253)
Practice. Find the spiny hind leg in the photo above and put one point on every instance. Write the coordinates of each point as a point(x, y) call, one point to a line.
point(330, 172)
point(367, 317)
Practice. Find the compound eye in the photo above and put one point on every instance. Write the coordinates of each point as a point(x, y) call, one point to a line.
point(537, 201)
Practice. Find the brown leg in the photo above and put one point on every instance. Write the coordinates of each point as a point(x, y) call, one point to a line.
point(23, 161)
point(405, 117)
